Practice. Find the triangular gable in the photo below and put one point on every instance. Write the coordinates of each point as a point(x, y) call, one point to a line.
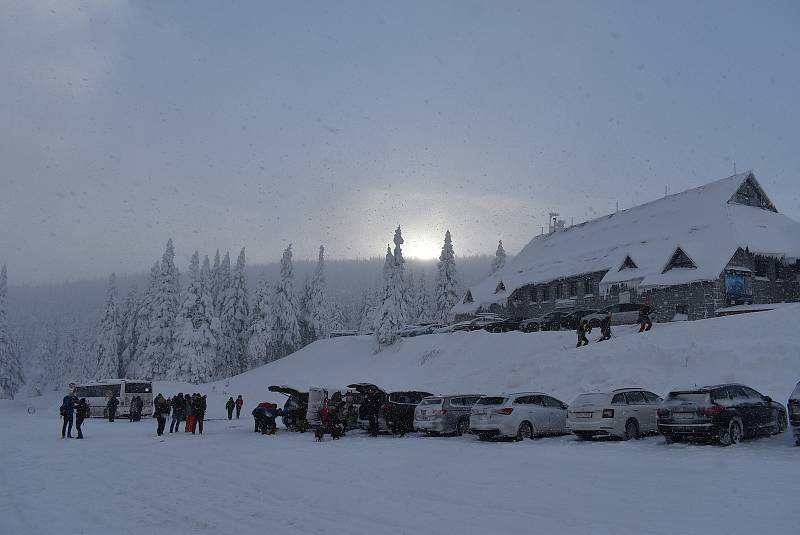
point(500, 287)
point(679, 260)
point(750, 193)
point(468, 297)
point(628, 263)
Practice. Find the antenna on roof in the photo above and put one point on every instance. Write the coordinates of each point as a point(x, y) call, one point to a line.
point(665, 190)
point(734, 167)
point(617, 206)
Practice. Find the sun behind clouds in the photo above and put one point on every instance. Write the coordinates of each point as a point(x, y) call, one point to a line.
point(421, 247)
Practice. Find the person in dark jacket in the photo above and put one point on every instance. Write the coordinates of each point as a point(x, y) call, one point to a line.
point(199, 411)
point(372, 405)
point(67, 411)
point(178, 408)
point(81, 413)
point(239, 404)
point(229, 407)
point(161, 407)
point(644, 321)
point(583, 329)
point(605, 328)
point(111, 406)
point(264, 416)
point(139, 407)
point(188, 414)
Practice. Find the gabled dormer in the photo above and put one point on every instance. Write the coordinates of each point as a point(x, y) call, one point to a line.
point(500, 287)
point(750, 193)
point(468, 297)
point(628, 263)
point(679, 260)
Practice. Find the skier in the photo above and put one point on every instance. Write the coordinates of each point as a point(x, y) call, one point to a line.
point(644, 321)
point(160, 412)
point(67, 410)
point(178, 408)
point(239, 404)
point(605, 328)
point(81, 412)
point(583, 329)
point(229, 407)
point(111, 406)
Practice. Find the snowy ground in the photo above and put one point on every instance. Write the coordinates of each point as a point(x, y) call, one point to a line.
point(232, 480)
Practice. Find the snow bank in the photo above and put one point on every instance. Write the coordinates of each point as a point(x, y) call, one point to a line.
point(757, 349)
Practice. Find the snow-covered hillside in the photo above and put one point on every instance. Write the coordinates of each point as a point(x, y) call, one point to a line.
point(758, 349)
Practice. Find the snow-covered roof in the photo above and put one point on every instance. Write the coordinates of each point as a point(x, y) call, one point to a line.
point(704, 222)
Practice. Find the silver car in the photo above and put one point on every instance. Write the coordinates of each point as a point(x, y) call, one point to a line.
point(445, 415)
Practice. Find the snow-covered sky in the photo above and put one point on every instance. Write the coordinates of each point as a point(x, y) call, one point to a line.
point(261, 123)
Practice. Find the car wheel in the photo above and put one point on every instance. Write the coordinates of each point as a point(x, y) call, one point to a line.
point(484, 436)
point(631, 430)
point(463, 427)
point(733, 434)
point(525, 431)
point(668, 439)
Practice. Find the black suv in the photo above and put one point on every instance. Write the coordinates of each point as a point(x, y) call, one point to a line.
point(723, 413)
point(548, 322)
point(503, 326)
point(396, 411)
point(295, 408)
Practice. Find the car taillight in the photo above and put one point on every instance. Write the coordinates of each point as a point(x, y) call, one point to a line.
point(711, 410)
point(439, 412)
point(608, 413)
point(662, 413)
point(794, 405)
point(385, 407)
point(505, 412)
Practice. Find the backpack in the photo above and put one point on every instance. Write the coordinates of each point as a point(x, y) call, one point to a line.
point(62, 410)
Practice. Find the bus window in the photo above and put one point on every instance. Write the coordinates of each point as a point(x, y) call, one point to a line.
point(138, 388)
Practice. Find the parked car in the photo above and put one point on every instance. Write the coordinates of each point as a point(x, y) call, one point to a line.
point(621, 314)
point(724, 413)
point(570, 321)
point(442, 415)
point(344, 332)
point(546, 322)
point(396, 413)
point(460, 326)
point(794, 413)
point(419, 330)
point(482, 321)
point(518, 415)
point(623, 413)
point(504, 325)
point(295, 408)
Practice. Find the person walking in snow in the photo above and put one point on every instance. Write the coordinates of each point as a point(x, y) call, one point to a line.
point(605, 328)
point(188, 414)
point(583, 329)
point(229, 407)
point(81, 413)
point(199, 411)
point(178, 408)
point(67, 412)
point(239, 404)
point(111, 406)
point(373, 404)
point(161, 408)
point(139, 407)
point(644, 321)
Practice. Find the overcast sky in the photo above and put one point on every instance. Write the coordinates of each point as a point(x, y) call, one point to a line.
point(229, 124)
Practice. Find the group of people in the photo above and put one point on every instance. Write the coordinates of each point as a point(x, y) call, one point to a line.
point(230, 405)
point(71, 409)
point(189, 408)
point(135, 410)
point(584, 328)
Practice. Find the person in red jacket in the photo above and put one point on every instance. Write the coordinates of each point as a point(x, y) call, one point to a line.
point(239, 404)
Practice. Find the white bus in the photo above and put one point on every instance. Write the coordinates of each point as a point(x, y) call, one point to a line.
point(97, 393)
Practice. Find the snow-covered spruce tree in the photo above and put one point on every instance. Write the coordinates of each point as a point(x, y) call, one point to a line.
point(222, 281)
point(370, 303)
point(337, 319)
point(259, 346)
point(285, 310)
point(11, 377)
point(499, 260)
point(198, 328)
point(215, 280)
point(137, 332)
point(394, 310)
point(106, 342)
point(447, 285)
point(234, 320)
point(163, 316)
point(127, 327)
point(423, 303)
point(316, 309)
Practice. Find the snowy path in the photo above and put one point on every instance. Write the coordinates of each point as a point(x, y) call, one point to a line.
point(232, 480)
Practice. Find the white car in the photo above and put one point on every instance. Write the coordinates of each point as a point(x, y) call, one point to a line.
point(518, 415)
point(624, 413)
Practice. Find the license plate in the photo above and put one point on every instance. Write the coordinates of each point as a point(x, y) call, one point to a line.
point(583, 415)
point(683, 415)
